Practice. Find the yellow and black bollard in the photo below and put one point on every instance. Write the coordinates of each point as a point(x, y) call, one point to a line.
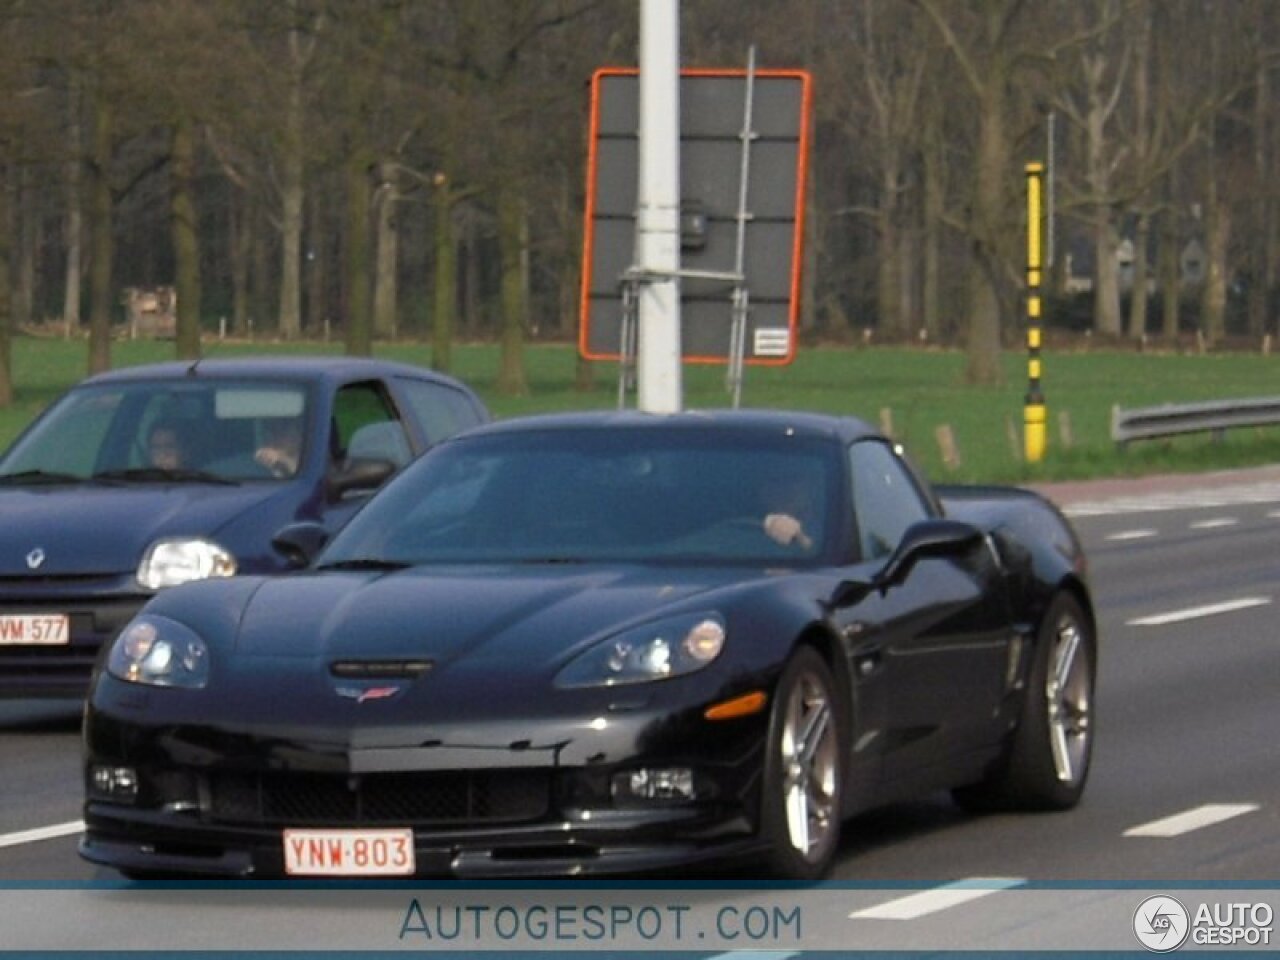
point(1034, 436)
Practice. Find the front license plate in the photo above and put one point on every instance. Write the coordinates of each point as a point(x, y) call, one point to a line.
point(46, 629)
point(348, 853)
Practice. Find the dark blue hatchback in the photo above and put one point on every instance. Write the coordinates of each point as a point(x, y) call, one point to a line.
point(151, 476)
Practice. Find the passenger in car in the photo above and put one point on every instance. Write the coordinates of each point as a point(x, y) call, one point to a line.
point(281, 446)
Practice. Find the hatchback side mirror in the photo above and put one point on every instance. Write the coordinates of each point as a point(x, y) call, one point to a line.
point(300, 543)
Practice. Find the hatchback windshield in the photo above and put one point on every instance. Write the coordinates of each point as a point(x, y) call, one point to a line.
point(157, 430)
point(587, 495)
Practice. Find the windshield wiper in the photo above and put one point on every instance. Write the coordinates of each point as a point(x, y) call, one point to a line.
point(163, 475)
point(364, 563)
point(39, 476)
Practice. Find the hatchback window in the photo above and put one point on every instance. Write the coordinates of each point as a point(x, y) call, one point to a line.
point(156, 430)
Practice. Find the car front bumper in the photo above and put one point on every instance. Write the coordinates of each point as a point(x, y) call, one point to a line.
point(551, 796)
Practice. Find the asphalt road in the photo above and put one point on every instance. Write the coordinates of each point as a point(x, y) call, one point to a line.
point(1184, 785)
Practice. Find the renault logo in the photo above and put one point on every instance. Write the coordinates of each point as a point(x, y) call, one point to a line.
point(35, 558)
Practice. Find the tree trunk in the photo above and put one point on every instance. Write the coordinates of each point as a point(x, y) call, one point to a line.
point(512, 236)
point(1263, 210)
point(445, 302)
point(22, 216)
point(74, 225)
point(100, 240)
point(240, 238)
point(293, 188)
point(472, 303)
point(888, 267)
point(931, 269)
point(983, 341)
point(259, 271)
point(1170, 286)
point(317, 263)
point(1138, 297)
point(186, 241)
point(1106, 276)
point(6, 312)
point(1213, 311)
point(359, 334)
point(385, 296)
point(293, 195)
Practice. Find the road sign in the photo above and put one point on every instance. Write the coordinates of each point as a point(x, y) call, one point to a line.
point(715, 211)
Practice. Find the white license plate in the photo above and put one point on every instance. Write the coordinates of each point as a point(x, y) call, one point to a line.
point(348, 853)
point(47, 629)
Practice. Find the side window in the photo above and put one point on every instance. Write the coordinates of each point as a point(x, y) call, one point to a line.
point(886, 500)
point(366, 425)
point(440, 409)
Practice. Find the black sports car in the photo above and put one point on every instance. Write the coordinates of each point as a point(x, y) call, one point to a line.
point(599, 643)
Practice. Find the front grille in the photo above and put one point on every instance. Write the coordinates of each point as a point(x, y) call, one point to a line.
point(454, 797)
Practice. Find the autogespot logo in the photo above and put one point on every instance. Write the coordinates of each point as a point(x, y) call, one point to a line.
point(1161, 924)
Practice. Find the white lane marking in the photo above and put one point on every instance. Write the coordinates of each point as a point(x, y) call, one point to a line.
point(753, 955)
point(41, 833)
point(1213, 523)
point(939, 898)
point(1180, 823)
point(1220, 497)
point(1132, 535)
point(1194, 613)
point(1274, 514)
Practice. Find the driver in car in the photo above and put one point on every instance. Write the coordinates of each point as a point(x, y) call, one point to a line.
point(164, 446)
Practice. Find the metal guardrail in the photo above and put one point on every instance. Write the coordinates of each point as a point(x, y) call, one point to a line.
point(1171, 419)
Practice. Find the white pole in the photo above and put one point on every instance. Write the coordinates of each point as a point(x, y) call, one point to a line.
point(658, 361)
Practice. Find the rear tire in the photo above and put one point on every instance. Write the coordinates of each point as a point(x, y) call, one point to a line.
point(1048, 760)
point(803, 784)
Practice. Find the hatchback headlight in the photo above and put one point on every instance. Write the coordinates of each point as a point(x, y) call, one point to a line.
point(659, 650)
point(168, 563)
point(161, 652)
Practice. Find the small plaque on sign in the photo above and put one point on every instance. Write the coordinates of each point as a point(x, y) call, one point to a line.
point(772, 342)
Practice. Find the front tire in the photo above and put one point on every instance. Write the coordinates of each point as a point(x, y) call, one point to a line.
point(1048, 761)
point(804, 770)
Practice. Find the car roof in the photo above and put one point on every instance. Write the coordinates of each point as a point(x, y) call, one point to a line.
point(295, 367)
point(844, 428)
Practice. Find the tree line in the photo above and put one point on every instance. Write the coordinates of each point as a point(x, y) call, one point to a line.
point(415, 168)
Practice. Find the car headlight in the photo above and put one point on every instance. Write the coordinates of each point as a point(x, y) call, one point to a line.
point(659, 650)
point(168, 563)
point(161, 652)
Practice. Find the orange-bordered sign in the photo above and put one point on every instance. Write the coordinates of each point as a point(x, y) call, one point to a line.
point(713, 116)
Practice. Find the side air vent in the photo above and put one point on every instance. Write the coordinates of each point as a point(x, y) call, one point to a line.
point(379, 669)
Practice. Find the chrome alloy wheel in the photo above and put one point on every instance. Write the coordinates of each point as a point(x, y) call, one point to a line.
point(810, 765)
point(1068, 694)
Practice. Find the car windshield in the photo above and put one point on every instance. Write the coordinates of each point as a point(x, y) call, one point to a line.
point(180, 430)
point(598, 495)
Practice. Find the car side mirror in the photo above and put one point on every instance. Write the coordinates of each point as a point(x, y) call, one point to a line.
point(359, 475)
point(300, 543)
point(928, 538)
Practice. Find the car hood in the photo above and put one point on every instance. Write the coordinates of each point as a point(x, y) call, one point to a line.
point(501, 614)
point(89, 529)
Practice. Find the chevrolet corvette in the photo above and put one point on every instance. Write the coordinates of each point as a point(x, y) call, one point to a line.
point(601, 643)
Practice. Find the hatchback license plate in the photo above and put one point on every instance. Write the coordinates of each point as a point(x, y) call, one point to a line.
point(348, 853)
point(44, 629)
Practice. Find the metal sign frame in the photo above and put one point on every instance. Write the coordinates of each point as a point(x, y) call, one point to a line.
point(733, 277)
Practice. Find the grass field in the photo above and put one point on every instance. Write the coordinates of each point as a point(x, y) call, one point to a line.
point(923, 389)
